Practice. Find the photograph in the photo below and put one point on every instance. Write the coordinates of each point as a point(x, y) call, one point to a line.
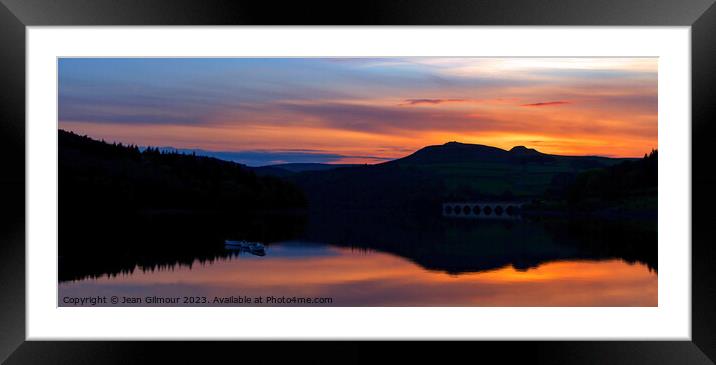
point(526, 180)
point(357, 181)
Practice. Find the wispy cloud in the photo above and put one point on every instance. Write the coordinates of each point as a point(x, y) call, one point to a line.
point(430, 101)
point(385, 119)
point(548, 103)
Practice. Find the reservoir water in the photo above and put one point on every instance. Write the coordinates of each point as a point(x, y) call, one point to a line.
point(354, 262)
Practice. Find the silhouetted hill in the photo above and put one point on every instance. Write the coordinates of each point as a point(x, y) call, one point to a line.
point(524, 150)
point(450, 171)
point(454, 152)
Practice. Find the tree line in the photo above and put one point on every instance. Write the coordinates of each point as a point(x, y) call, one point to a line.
point(98, 175)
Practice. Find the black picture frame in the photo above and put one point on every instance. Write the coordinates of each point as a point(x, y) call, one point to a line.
point(16, 15)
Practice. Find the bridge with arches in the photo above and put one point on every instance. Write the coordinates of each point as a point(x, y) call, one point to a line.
point(486, 209)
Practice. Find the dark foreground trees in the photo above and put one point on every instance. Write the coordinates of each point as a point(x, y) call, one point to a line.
point(627, 180)
point(103, 176)
point(127, 201)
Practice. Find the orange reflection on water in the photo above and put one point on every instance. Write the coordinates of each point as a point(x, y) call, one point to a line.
point(357, 278)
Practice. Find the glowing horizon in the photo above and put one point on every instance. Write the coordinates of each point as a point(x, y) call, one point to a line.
point(363, 110)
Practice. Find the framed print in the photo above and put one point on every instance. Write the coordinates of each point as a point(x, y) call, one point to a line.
point(525, 174)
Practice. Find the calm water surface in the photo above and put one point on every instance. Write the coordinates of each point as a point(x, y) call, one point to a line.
point(485, 264)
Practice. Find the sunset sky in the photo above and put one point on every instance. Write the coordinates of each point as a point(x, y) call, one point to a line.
point(262, 111)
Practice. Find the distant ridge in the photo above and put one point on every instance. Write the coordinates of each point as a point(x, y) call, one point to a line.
point(452, 152)
point(524, 150)
point(287, 169)
point(301, 167)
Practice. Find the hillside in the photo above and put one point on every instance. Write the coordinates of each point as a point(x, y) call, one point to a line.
point(630, 186)
point(449, 171)
point(471, 169)
point(98, 175)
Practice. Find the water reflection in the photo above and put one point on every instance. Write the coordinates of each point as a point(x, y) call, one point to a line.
point(371, 278)
point(367, 260)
